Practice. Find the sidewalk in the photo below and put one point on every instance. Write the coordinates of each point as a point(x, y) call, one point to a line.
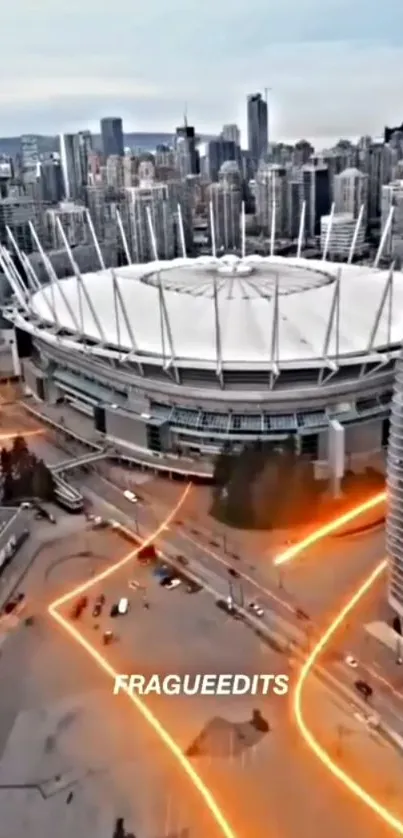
point(360, 752)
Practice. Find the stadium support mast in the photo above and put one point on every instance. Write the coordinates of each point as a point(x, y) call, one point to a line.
point(218, 348)
point(81, 287)
point(32, 278)
point(6, 263)
point(273, 227)
point(212, 228)
point(243, 231)
point(355, 235)
point(301, 229)
point(330, 358)
point(275, 336)
point(95, 241)
point(129, 259)
point(54, 281)
point(328, 233)
point(384, 236)
point(182, 232)
point(386, 299)
point(164, 317)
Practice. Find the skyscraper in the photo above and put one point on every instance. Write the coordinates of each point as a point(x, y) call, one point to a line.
point(69, 164)
point(257, 126)
point(187, 155)
point(316, 192)
point(112, 136)
point(74, 159)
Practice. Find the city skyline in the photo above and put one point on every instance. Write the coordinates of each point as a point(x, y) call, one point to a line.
point(90, 63)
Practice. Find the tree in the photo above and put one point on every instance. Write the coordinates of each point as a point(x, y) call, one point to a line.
point(42, 481)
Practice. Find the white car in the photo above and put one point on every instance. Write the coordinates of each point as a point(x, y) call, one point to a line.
point(171, 583)
point(257, 609)
point(130, 496)
point(351, 662)
point(134, 585)
point(123, 605)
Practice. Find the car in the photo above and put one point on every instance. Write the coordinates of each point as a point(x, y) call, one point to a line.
point(182, 560)
point(170, 582)
point(130, 496)
point(257, 609)
point(351, 661)
point(193, 588)
point(98, 605)
point(364, 688)
point(162, 572)
point(134, 585)
point(99, 523)
point(16, 604)
point(78, 607)
point(107, 637)
point(123, 605)
point(114, 612)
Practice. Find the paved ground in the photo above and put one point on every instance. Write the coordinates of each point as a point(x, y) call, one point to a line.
point(53, 707)
point(185, 632)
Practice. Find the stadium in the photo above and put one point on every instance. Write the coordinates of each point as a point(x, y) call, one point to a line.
point(172, 360)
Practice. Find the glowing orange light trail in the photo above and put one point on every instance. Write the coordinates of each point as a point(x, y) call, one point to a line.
point(295, 550)
point(335, 769)
point(104, 664)
point(25, 434)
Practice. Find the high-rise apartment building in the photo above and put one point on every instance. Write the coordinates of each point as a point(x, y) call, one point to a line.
point(219, 151)
point(187, 155)
point(271, 195)
point(232, 134)
point(74, 223)
point(75, 151)
point(350, 192)
point(316, 192)
point(29, 151)
point(134, 210)
point(112, 136)
point(337, 234)
point(226, 202)
point(392, 196)
point(257, 115)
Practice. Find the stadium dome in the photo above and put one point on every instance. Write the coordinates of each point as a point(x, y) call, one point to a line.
point(189, 353)
point(245, 303)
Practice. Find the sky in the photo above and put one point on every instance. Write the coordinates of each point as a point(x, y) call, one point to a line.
point(334, 68)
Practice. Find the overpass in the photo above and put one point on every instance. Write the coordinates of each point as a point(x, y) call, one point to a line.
point(77, 462)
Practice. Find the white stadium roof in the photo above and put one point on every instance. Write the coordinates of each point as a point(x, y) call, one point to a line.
point(239, 310)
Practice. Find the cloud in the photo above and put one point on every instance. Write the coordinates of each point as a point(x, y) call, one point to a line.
point(334, 69)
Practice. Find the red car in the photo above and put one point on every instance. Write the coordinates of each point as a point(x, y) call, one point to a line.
point(78, 607)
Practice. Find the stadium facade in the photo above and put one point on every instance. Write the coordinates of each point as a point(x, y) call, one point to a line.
point(175, 359)
point(394, 525)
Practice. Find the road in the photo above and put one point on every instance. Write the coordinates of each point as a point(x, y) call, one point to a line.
point(280, 605)
point(185, 632)
point(58, 718)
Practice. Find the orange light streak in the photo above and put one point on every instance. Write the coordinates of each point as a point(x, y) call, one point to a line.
point(142, 708)
point(323, 756)
point(295, 550)
point(25, 434)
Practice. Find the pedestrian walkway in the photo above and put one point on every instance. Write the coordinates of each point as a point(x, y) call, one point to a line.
point(385, 635)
